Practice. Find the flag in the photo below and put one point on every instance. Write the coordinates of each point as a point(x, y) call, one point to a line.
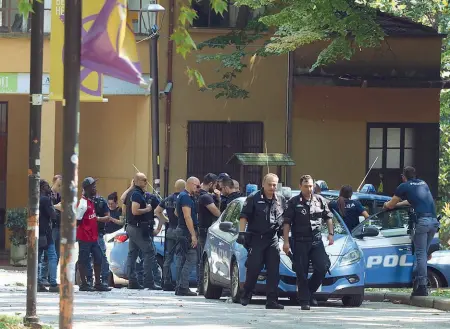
point(109, 47)
point(91, 81)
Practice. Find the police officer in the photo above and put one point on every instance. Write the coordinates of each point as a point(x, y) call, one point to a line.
point(208, 212)
point(305, 215)
point(138, 229)
point(230, 191)
point(350, 210)
point(169, 204)
point(262, 211)
point(186, 232)
point(415, 192)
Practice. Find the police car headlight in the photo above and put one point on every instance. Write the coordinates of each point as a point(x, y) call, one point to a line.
point(351, 257)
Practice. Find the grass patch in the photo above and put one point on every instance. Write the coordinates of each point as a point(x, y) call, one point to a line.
point(445, 293)
point(14, 322)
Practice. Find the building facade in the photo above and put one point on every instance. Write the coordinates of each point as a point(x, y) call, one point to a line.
point(380, 104)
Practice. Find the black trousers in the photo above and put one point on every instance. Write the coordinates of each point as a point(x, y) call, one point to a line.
point(200, 248)
point(304, 252)
point(263, 251)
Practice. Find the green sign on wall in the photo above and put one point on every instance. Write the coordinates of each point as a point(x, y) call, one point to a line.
point(8, 83)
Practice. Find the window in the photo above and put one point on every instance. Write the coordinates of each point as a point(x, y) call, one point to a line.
point(391, 146)
point(234, 17)
point(10, 18)
point(390, 223)
point(338, 227)
point(139, 20)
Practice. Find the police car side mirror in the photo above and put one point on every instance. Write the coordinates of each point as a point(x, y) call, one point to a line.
point(369, 231)
point(227, 227)
point(365, 231)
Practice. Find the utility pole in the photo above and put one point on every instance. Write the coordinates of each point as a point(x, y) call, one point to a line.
point(155, 108)
point(72, 54)
point(36, 62)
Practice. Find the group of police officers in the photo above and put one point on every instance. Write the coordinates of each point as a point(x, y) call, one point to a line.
point(265, 216)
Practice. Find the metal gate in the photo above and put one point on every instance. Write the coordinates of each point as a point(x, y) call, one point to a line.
point(212, 143)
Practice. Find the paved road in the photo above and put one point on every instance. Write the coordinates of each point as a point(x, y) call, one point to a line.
point(122, 308)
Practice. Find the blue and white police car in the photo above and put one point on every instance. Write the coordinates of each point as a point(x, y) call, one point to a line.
point(389, 256)
point(224, 263)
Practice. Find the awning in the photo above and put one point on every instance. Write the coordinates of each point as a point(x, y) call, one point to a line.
point(261, 159)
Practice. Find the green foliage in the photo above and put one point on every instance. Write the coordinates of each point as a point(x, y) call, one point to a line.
point(16, 222)
point(26, 6)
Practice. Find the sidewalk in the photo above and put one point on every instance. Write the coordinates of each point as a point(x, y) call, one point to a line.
point(438, 303)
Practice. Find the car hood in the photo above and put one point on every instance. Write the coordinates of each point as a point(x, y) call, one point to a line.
point(334, 251)
point(440, 257)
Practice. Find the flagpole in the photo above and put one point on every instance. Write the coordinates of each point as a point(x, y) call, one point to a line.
point(36, 64)
point(72, 56)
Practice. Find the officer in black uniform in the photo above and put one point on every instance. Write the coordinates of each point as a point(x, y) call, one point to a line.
point(139, 215)
point(208, 212)
point(230, 191)
point(305, 215)
point(263, 211)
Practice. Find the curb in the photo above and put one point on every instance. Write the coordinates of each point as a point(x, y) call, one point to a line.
point(438, 303)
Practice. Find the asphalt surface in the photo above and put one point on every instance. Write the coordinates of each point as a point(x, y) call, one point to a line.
point(122, 308)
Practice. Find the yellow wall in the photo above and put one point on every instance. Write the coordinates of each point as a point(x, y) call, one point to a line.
point(330, 125)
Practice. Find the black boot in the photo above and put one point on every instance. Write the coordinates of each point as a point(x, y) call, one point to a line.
point(421, 291)
point(246, 298)
point(84, 286)
point(184, 292)
point(99, 286)
point(274, 305)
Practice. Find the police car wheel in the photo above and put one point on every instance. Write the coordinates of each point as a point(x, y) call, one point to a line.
point(434, 281)
point(353, 300)
point(235, 287)
point(210, 291)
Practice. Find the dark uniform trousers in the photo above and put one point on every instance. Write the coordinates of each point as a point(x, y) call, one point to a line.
point(263, 250)
point(304, 252)
point(202, 234)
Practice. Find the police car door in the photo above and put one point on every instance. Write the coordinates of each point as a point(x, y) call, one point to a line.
point(388, 256)
point(221, 245)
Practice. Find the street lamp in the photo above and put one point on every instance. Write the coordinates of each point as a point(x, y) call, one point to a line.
point(153, 31)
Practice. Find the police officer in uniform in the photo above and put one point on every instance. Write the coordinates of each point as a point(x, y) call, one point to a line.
point(415, 192)
point(139, 215)
point(169, 204)
point(262, 211)
point(305, 215)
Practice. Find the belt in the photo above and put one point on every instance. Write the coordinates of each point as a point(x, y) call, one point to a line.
point(425, 214)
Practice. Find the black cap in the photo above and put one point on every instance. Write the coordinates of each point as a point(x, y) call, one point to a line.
point(222, 176)
point(88, 181)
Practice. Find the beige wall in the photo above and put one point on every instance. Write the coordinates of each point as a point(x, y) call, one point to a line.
point(330, 125)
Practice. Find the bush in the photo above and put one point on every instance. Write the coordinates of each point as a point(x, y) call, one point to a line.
point(16, 222)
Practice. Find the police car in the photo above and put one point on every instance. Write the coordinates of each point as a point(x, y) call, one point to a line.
point(224, 263)
point(119, 254)
point(389, 256)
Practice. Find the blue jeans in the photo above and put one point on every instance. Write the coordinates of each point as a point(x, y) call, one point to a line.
point(169, 253)
point(105, 263)
point(425, 230)
point(187, 259)
point(56, 235)
point(52, 265)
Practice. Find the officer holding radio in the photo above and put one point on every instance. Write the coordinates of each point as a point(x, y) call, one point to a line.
point(262, 211)
point(304, 216)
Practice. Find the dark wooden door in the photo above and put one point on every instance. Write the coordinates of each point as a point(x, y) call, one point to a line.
point(400, 145)
point(3, 164)
point(212, 143)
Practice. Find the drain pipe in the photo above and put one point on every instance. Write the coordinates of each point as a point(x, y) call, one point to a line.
point(169, 98)
point(289, 91)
